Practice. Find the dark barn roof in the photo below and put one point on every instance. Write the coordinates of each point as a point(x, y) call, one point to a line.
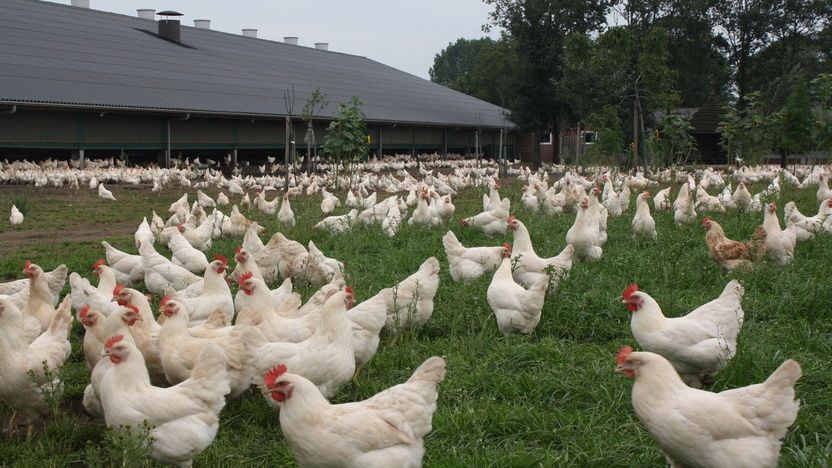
point(706, 119)
point(56, 55)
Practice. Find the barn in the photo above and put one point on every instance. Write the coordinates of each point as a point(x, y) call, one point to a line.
point(80, 82)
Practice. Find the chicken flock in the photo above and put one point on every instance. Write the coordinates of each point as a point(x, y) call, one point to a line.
point(206, 343)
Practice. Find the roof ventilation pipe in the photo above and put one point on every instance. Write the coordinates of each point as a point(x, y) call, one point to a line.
point(202, 24)
point(147, 13)
point(81, 3)
point(170, 29)
point(250, 33)
point(322, 45)
point(291, 40)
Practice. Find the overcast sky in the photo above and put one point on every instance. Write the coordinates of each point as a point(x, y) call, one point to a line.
point(404, 35)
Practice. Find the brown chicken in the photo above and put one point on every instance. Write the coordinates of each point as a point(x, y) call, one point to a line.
point(730, 254)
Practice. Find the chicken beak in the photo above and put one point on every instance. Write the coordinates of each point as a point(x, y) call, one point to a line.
point(619, 369)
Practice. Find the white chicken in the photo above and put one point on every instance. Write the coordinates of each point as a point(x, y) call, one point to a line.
point(104, 193)
point(160, 274)
point(326, 358)
point(517, 309)
point(185, 255)
point(584, 234)
point(738, 428)
point(144, 234)
point(413, 298)
point(127, 267)
point(20, 356)
point(466, 264)
point(698, 344)
point(184, 417)
point(285, 215)
point(529, 268)
point(491, 222)
point(780, 243)
point(16, 217)
point(644, 226)
point(386, 430)
point(337, 224)
point(216, 295)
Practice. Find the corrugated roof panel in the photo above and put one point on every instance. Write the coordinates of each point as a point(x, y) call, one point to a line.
point(58, 54)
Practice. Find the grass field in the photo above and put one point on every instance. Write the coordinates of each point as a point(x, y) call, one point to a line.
point(551, 399)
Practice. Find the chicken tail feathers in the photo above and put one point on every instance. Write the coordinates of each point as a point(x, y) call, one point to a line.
point(785, 376)
point(209, 380)
point(432, 370)
point(62, 320)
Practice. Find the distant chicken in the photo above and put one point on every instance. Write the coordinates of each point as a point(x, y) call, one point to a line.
point(16, 217)
point(643, 225)
point(104, 193)
point(684, 211)
point(780, 243)
point(337, 224)
point(19, 356)
point(738, 428)
point(386, 430)
point(185, 255)
point(698, 344)
point(730, 254)
point(491, 222)
point(285, 215)
point(517, 309)
point(466, 264)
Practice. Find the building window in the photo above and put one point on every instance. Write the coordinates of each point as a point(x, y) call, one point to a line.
point(546, 139)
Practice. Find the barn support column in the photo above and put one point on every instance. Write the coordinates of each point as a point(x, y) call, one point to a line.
point(380, 144)
point(413, 143)
point(444, 142)
point(234, 158)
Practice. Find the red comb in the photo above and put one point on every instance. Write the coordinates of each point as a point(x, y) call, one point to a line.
point(507, 246)
point(98, 263)
point(113, 340)
point(28, 264)
point(117, 290)
point(221, 258)
point(511, 218)
point(238, 249)
point(623, 353)
point(84, 311)
point(349, 290)
point(273, 374)
point(164, 301)
point(629, 291)
point(245, 277)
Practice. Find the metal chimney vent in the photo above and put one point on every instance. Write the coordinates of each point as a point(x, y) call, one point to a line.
point(147, 13)
point(291, 40)
point(322, 45)
point(202, 24)
point(81, 3)
point(250, 33)
point(170, 29)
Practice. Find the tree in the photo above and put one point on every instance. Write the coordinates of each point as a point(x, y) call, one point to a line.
point(537, 31)
point(609, 137)
point(821, 88)
point(454, 65)
point(795, 135)
point(671, 143)
point(346, 137)
point(748, 134)
point(314, 104)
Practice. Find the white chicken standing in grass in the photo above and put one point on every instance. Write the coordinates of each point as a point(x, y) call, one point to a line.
point(104, 193)
point(698, 344)
point(737, 428)
point(517, 309)
point(780, 243)
point(16, 217)
point(285, 215)
point(491, 222)
point(644, 226)
point(466, 264)
point(386, 430)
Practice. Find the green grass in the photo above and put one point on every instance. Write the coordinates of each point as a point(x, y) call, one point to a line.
point(551, 399)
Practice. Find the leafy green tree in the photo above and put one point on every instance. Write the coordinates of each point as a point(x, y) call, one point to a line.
point(454, 65)
point(795, 135)
point(671, 143)
point(537, 31)
point(751, 133)
point(821, 88)
point(609, 137)
point(346, 137)
point(314, 104)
